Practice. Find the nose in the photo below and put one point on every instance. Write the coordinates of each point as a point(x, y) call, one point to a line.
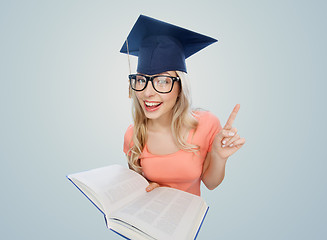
point(149, 90)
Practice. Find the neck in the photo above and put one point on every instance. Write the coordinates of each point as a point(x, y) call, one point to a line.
point(160, 124)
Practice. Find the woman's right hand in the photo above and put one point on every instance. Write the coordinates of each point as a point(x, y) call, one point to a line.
point(152, 186)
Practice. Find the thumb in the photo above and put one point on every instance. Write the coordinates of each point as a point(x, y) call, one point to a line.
point(224, 133)
point(152, 186)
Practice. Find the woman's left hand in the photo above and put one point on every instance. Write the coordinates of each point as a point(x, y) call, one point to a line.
point(227, 141)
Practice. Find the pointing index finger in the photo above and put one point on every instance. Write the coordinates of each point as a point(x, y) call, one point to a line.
point(232, 117)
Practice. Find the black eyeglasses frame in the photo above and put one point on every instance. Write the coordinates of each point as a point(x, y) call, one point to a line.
point(150, 78)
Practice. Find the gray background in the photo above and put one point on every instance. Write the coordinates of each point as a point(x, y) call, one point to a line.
point(65, 108)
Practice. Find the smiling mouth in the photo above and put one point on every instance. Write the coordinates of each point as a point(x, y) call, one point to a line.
point(152, 106)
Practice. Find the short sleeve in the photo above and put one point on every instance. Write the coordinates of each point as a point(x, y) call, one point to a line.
point(214, 128)
point(128, 139)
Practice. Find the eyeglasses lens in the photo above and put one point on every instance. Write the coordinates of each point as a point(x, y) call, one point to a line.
point(162, 84)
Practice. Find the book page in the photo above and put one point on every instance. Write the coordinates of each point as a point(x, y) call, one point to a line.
point(113, 185)
point(128, 231)
point(164, 213)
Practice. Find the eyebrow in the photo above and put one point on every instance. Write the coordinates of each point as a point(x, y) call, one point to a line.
point(161, 74)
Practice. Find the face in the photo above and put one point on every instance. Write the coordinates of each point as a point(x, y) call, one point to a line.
point(158, 105)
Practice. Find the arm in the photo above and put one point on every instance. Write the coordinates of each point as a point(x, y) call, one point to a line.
point(213, 170)
point(225, 143)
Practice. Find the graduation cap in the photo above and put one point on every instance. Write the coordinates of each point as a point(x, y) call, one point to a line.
point(161, 46)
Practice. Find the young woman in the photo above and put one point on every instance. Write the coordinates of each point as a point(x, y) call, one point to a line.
point(169, 143)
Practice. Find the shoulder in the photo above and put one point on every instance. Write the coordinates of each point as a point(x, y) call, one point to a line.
point(208, 127)
point(208, 124)
point(206, 118)
point(129, 133)
point(128, 143)
point(129, 130)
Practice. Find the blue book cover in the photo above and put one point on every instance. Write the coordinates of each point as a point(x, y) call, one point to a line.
point(164, 213)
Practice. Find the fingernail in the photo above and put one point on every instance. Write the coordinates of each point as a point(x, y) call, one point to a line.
point(231, 145)
point(223, 146)
point(231, 134)
point(224, 142)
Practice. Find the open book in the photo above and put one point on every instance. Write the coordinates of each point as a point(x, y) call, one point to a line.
point(119, 193)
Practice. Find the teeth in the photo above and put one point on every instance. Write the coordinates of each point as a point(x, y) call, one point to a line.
point(151, 104)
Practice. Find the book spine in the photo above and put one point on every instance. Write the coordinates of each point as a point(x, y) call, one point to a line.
point(120, 234)
point(196, 235)
point(88, 198)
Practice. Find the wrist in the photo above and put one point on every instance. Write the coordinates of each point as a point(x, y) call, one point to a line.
point(215, 155)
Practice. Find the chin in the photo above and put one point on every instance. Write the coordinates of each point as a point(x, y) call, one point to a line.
point(151, 115)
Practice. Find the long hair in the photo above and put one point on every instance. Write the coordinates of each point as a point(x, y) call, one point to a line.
point(182, 118)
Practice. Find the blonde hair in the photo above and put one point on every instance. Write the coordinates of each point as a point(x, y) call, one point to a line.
point(182, 118)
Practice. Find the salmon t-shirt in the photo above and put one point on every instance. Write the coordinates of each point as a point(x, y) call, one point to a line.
point(181, 170)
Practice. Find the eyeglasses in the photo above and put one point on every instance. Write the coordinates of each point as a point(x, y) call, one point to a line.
point(160, 83)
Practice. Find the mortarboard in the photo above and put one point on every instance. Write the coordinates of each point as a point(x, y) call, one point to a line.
point(161, 46)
